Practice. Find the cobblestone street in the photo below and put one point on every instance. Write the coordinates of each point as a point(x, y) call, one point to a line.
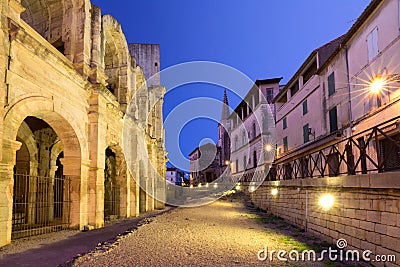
point(225, 233)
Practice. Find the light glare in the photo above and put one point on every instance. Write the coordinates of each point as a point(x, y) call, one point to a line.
point(274, 191)
point(326, 202)
point(377, 85)
point(268, 147)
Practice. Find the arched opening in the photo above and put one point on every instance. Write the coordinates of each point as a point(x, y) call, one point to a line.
point(111, 63)
point(111, 188)
point(143, 186)
point(41, 201)
point(61, 23)
point(116, 59)
point(47, 19)
point(115, 184)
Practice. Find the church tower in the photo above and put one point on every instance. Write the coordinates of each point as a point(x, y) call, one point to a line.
point(223, 136)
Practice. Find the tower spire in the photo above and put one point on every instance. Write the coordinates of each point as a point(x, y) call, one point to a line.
point(225, 107)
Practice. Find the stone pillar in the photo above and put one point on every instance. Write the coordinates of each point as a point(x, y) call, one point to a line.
point(97, 198)
point(97, 131)
point(128, 193)
point(7, 163)
point(78, 172)
point(97, 70)
point(33, 172)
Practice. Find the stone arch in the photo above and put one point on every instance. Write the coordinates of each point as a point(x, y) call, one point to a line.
point(25, 136)
point(115, 59)
point(61, 23)
point(120, 179)
point(71, 135)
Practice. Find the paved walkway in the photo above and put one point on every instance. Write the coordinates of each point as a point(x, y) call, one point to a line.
point(225, 233)
point(57, 249)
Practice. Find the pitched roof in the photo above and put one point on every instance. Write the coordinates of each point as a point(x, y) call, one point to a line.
point(323, 53)
point(353, 30)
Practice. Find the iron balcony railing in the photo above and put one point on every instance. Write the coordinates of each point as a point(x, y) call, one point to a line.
point(375, 150)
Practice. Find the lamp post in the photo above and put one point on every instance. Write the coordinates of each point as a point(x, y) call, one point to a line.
point(377, 84)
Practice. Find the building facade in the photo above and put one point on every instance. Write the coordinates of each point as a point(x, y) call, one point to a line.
point(205, 164)
point(352, 89)
point(69, 79)
point(351, 106)
point(252, 132)
point(174, 176)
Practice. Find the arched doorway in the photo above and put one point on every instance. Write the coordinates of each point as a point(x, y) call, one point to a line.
point(41, 199)
point(111, 188)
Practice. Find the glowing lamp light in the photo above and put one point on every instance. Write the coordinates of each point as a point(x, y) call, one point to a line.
point(377, 85)
point(268, 147)
point(237, 187)
point(215, 185)
point(206, 184)
point(252, 189)
point(227, 162)
point(326, 202)
point(191, 186)
point(274, 191)
point(199, 185)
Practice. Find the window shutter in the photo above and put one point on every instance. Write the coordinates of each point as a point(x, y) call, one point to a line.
point(331, 84)
point(333, 124)
point(305, 133)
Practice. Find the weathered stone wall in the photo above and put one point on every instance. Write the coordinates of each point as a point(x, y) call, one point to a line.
point(77, 75)
point(366, 211)
point(148, 57)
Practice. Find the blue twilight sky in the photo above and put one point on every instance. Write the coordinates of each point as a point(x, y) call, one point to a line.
point(261, 38)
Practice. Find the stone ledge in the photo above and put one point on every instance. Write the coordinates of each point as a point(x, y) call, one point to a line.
point(376, 181)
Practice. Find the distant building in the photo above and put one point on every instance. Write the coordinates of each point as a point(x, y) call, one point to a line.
point(175, 176)
point(205, 164)
point(252, 148)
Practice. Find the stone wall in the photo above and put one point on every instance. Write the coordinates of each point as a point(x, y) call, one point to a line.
point(366, 211)
point(79, 78)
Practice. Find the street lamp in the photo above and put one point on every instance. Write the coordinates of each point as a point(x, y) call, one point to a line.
point(326, 202)
point(274, 191)
point(268, 147)
point(377, 84)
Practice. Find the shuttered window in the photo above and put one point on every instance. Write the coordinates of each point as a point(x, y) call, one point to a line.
point(333, 123)
point(331, 84)
point(372, 41)
point(306, 135)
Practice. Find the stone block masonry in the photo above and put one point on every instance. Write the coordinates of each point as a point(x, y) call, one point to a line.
point(366, 211)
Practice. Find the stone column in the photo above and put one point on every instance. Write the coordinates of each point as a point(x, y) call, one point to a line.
point(7, 163)
point(78, 172)
point(33, 172)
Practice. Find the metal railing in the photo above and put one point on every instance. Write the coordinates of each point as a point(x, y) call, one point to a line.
point(40, 205)
point(375, 150)
point(251, 175)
